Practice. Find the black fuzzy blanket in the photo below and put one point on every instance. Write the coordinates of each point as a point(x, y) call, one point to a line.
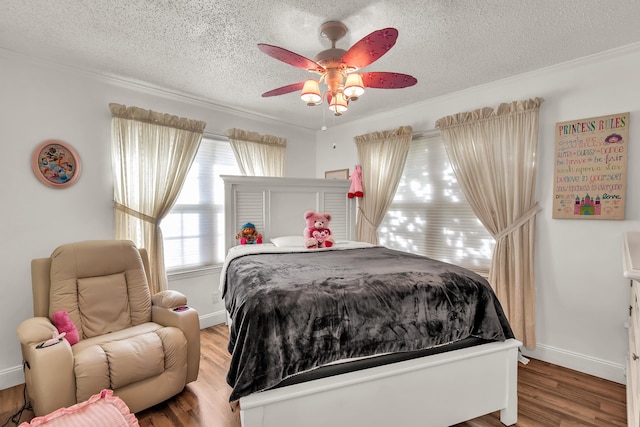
point(292, 312)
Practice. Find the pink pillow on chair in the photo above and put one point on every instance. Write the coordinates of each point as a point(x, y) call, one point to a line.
point(63, 323)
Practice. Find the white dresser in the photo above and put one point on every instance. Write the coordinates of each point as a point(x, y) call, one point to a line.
point(631, 268)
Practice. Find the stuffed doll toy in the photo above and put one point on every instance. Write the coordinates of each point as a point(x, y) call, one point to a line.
point(356, 183)
point(317, 233)
point(65, 326)
point(248, 235)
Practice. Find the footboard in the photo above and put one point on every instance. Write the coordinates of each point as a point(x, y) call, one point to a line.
point(437, 390)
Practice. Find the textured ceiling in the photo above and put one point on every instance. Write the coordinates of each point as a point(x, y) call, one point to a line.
point(207, 49)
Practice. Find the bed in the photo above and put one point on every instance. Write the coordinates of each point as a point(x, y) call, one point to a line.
point(294, 363)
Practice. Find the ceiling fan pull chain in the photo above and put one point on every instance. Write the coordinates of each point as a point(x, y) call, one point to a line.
point(324, 120)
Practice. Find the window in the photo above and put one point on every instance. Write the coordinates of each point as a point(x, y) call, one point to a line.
point(193, 231)
point(430, 215)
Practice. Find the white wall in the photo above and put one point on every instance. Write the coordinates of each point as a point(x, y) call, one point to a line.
point(582, 298)
point(41, 101)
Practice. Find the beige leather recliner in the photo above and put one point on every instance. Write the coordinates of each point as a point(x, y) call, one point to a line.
point(130, 342)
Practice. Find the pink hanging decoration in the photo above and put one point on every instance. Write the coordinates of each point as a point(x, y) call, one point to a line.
point(356, 183)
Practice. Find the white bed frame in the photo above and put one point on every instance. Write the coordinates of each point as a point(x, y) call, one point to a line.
point(437, 390)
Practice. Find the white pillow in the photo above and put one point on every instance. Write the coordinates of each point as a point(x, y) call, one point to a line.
point(288, 241)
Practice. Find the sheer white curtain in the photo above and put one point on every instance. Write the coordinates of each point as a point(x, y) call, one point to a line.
point(258, 155)
point(382, 156)
point(493, 154)
point(151, 154)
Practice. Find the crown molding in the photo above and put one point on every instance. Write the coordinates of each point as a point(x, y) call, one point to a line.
point(147, 88)
point(208, 103)
point(595, 58)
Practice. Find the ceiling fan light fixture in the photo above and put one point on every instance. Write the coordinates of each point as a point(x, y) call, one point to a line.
point(337, 68)
point(311, 92)
point(338, 104)
point(353, 87)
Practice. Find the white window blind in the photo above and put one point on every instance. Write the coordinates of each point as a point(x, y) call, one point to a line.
point(194, 229)
point(430, 215)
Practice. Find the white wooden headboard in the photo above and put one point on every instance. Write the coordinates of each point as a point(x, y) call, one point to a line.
point(276, 206)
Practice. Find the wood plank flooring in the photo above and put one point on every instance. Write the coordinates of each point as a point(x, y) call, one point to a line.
point(548, 396)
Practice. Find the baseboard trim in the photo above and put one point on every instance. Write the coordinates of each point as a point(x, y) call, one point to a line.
point(11, 377)
point(212, 319)
point(578, 362)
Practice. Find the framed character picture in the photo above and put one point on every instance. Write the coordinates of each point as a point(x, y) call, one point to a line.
point(55, 163)
point(337, 174)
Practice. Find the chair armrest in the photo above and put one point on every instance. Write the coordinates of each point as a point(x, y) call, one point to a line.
point(169, 299)
point(48, 371)
point(188, 322)
point(35, 330)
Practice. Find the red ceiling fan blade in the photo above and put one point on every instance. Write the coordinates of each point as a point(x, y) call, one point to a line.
point(284, 89)
point(370, 48)
point(385, 80)
point(290, 58)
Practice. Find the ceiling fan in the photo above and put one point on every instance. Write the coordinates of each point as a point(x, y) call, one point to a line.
point(337, 68)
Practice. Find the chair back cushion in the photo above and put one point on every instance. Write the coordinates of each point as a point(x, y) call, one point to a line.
point(101, 284)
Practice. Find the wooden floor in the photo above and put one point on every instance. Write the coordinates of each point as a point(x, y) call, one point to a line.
point(548, 396)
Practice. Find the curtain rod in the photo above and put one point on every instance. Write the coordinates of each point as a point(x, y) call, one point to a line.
point(214, 135)
point(423, 133)
point(419, 134)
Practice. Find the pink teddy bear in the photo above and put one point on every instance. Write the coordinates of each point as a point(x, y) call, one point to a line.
point(317, 233)
point(65, 326)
